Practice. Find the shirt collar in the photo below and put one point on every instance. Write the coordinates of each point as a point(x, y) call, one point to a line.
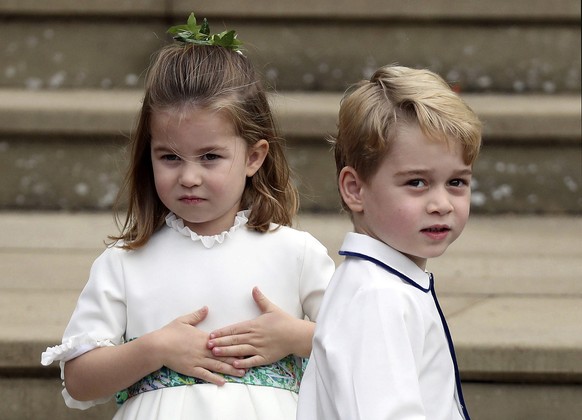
point(368, 248)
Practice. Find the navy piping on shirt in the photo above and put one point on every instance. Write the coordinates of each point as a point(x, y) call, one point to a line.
point(439, 310)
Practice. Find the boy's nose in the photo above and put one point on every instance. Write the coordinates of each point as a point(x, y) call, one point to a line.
point(440, 202)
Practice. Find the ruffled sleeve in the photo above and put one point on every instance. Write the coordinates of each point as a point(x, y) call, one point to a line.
point(98, 320)
point(71, 348)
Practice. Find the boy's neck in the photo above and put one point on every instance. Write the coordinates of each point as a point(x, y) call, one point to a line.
point(420, 262)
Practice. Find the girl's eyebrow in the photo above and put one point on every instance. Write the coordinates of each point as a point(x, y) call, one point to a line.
point(161, 147)
point(164, 148)
point(211, 149)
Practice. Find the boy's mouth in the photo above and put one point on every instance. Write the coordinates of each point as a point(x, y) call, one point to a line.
point(437, 233)
point(436, 229)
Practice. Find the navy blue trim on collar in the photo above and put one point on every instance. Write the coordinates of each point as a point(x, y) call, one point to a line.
point(452, 351)
point(389, 269)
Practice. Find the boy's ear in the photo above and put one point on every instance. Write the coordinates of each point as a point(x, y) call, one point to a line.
point(350, 188)
point(257, 154)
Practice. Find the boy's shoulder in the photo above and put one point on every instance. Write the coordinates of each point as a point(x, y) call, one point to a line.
point(363, 289)
point(364, 276)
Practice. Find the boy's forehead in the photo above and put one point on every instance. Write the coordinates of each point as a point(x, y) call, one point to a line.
point(447, 141)
point(414, 146)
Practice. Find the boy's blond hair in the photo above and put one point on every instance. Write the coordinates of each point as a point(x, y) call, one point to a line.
point(372, 110)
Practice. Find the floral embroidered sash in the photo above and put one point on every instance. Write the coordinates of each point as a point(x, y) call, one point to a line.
point(285, 374)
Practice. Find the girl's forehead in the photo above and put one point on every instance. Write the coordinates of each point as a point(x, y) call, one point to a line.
point(189, 112)
point(193, 120)
point(193, 132)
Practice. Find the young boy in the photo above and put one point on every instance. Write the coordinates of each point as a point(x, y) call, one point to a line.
point(404, 152)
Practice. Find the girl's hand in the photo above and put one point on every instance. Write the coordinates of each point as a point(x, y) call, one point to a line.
point(263, 340)
point(184, 349)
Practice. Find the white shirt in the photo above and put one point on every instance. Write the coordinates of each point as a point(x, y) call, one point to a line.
point(380, 350)
point(131, 293)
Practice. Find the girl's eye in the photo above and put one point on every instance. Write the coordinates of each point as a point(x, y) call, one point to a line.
point(170, 158)
point(210, 156)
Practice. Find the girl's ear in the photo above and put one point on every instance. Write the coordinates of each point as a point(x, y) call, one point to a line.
point(257, 154)
point(350, 187)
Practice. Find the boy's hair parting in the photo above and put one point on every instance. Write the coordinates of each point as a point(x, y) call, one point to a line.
point(186, 78)
point(372, 111)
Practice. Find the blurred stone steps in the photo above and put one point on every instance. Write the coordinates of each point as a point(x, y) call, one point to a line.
point(497, 46)
point(71, 75)
point(72, 71)
point(64, 149)
point(509, 287)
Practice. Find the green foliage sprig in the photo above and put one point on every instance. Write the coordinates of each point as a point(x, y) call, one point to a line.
point(200, 35)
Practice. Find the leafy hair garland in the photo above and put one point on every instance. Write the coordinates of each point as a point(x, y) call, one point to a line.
point(191, 33)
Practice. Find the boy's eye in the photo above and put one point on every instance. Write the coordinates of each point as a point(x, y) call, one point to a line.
point(458, 182)
point(418, 183)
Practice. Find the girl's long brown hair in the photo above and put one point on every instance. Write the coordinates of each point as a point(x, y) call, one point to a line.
point(207, 77)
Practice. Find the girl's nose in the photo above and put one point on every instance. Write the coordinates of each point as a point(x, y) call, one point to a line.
point(190, 175)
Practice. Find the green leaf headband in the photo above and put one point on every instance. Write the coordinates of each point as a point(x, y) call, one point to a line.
point(191, 33)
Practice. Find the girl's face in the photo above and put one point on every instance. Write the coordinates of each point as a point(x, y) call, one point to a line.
point(200, 166)
point(418, 201)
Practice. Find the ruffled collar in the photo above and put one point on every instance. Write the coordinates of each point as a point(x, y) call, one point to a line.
point(176, 223)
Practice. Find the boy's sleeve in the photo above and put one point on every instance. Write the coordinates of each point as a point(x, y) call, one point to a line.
point(368, 369)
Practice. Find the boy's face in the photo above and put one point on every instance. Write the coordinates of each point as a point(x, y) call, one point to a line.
point(418, 201)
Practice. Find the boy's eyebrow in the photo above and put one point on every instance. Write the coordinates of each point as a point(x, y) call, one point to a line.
point(414, 172)
point(464, 171)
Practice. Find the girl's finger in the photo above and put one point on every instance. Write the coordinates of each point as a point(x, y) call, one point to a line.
point(249, 362)
point(231, 330)
point(242, 350)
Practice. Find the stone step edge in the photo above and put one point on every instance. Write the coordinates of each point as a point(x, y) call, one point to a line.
point(458, 10)
point(506, 117)
point(497, 364)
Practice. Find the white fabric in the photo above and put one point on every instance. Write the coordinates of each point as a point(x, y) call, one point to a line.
point(379, 350)
point(130, 293)
point(176, 223)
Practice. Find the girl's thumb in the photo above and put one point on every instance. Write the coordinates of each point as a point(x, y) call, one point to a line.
point(262, 302)
point(198, 316)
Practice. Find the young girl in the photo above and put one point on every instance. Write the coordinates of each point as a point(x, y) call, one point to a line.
point(210, 202)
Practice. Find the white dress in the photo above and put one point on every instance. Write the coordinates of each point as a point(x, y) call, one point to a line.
point(380, 350)
point(131, 293)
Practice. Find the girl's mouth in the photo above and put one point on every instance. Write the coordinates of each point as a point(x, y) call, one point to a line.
point(191, 200)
